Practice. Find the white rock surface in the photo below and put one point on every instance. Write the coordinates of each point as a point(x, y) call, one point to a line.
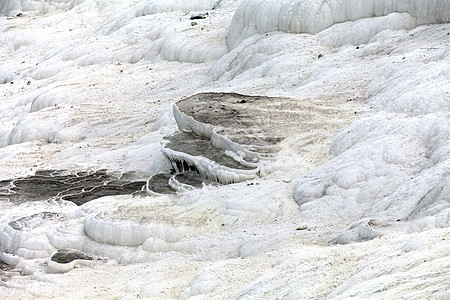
point(313, 16)
point(356, 209)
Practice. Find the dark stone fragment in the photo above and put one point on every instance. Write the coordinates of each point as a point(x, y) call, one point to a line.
point(199, 16)
point(64, 256)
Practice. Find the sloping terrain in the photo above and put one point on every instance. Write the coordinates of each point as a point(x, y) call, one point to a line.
point(289, 149)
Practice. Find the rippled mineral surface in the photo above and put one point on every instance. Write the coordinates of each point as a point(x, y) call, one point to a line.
point(231, 149)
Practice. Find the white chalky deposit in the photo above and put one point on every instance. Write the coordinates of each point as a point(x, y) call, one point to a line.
point(353, 202)
point(313, 16)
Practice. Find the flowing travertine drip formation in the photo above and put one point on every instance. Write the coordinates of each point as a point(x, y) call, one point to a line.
point(225, 138)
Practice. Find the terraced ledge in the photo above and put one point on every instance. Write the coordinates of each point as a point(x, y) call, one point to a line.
point(229, 137)
point(194, 145)
point(169, 183)
point(207, 168)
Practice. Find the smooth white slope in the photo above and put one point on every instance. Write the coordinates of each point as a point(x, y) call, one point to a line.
point(394, 165)
point(313, 16)
point(14, 7)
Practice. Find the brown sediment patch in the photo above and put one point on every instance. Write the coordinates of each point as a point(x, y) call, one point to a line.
point(78, 188)
point(260, 123)
point(230, 137)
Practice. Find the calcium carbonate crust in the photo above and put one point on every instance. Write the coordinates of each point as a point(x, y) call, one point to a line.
point(314, 16)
